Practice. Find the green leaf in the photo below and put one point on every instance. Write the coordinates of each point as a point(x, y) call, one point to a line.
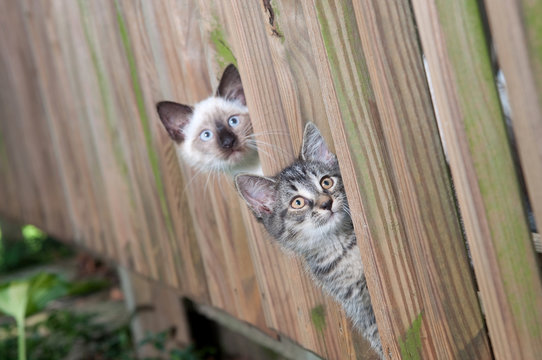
point(42, 289)
point(87, 286)
point(20, 298)
point(13, 298)
point(32, 232)
point(13, 302)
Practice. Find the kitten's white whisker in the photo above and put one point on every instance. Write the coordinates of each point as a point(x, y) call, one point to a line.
point(272, 132)
point(260, 150)
point(196, 174)
point(214, 181)
point(261, 144)
point(219, 180)
point(205, 187)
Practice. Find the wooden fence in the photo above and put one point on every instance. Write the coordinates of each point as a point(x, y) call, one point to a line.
point(84, 156)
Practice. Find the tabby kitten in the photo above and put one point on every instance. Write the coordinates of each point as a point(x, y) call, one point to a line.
point(216, 133)
point(305, 209)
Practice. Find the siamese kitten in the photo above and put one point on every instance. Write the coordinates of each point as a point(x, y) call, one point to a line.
point(305, 209)
point(216, 133)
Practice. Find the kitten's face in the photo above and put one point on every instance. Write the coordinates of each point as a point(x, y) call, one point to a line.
point(215, 134)
point(306, 202)
point(310, 204)
point(218, 136)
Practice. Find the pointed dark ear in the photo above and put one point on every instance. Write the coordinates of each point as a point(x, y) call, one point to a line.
point(174, 117)
point(258, 192)
point(314, 146)
point(230, 87)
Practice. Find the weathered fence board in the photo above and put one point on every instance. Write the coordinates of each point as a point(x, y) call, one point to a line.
point(475, 135)
point(515, 27)
point(36, 158)
point(84, 156)
point(296, 305)
point(388, 157)
point(59, 117)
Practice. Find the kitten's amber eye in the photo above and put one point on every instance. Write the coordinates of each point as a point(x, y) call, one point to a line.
point(326, 182)
point(298, 202)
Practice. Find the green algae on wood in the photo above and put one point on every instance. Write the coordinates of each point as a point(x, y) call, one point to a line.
point(533, 23)
point(224, 56)
point(318, 318)
point(273, 12)
point(411, 343)
point(151, 152)
point(486, 133)
point(104, 93)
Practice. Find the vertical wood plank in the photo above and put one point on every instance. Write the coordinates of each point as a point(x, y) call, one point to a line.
point(183, 77)
point(373, 76)
point(234, 271)
point(135, 42)
point(417, 160)
point(274, 95)
point(155, 80)
point(60, 118)
point(91, 118)
point(227, 259)
point(108, 135)
point(9, 173)
point(515, 29)
point(484, 175)
point(40, 184)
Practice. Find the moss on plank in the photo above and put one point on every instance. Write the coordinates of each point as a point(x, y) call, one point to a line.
point(275, 25)
point(318, 318)
point(105, 94)
point(151, 152)
point(533, 22)
point(224, 56)
point(485, 129)
point(411, 343)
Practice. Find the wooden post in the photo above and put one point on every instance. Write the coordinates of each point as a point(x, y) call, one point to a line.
point(392, 162)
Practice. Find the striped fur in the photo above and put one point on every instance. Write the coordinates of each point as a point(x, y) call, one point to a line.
point(321, 234)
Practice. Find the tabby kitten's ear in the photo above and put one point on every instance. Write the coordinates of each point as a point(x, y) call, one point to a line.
point(314, 146)
point(230, 87)
point(174, 117)
point(258, 192)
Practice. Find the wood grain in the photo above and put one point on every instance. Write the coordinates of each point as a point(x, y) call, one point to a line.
point(36, 163)
point(52, 83)
point(405, 219)
point(225, 251)
point(514, 31)
point(83, 155)
point(484, 176)
point(268, 79)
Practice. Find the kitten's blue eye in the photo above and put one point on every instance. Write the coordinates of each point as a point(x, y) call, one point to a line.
point(233, 121)
point(206, 135)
